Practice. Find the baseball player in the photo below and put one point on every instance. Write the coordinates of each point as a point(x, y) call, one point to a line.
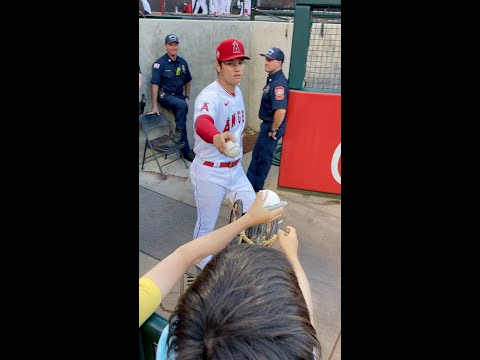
point(246, 8)
point(200, 4)
point(219, 115)
point(213, 7)
point(146, 7)
point(224, 7)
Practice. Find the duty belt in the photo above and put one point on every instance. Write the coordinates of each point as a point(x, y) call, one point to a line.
point(162, 93)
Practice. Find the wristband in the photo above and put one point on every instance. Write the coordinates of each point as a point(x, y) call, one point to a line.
point(271, 130)
point(187, 97)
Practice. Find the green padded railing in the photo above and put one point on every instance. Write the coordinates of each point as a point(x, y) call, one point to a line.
point(149, 334)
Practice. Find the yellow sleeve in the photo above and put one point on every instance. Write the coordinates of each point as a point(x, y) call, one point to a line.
point(150, 298)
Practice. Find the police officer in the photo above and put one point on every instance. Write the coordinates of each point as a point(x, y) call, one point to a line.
point(273, 108)
point(171, 86)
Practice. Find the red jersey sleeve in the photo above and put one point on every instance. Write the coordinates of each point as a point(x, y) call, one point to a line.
point(205, 128)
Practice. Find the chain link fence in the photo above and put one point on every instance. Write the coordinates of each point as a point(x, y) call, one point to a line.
point(324, 59)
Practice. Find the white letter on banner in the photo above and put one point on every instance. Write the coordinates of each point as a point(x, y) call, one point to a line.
point(335, 162)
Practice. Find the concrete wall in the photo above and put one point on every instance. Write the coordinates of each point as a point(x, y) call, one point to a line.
point(198, 43)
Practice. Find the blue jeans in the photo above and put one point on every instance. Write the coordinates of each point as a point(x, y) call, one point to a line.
point(263, 155)
point(180, 109)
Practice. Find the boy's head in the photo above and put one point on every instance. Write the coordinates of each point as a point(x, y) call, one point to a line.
point(245, 304)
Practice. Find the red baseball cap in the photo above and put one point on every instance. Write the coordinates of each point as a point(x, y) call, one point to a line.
point(230, 49)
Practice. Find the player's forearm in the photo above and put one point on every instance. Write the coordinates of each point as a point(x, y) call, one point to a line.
point(278, 117)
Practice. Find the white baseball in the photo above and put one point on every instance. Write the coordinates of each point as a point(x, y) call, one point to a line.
point(269, 198)
point(233, 149)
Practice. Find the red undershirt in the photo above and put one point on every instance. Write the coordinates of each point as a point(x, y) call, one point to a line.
point(205, 128)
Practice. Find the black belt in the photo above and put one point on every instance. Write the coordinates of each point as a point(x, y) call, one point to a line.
point(165, 93)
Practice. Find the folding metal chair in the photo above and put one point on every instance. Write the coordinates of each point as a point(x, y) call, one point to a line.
point(159, 139)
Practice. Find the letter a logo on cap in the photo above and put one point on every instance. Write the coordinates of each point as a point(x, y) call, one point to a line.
point(236, 49)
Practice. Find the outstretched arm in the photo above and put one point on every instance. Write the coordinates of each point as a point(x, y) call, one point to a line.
point(289, 244)
point(167, 272)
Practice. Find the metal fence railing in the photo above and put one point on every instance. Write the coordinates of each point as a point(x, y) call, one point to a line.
point(324, 59)
point(316, 47)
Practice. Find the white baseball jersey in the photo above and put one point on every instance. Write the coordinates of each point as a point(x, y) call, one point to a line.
point(228, 113)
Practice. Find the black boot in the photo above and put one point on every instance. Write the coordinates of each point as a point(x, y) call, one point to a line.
point(177, 136)
point(190, 156)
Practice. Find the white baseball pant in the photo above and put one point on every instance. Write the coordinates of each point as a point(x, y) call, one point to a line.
point(210, 186)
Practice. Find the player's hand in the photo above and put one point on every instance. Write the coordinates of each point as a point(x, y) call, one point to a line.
point(220, 141)
point(187, 100)
point(257, 214)
point(288, 241)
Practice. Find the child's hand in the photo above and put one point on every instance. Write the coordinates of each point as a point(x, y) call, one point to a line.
point(289, 241)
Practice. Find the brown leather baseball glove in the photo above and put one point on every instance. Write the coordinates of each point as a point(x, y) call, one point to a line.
point(262, 234)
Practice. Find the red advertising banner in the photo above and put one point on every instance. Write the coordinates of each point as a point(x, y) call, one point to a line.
point(311, 146)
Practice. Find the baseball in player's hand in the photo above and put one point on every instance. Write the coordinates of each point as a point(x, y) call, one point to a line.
point(288, 241)
point(220, 141)
point(257, 214)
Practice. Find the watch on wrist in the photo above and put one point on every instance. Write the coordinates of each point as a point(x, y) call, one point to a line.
point(273, 130)
point(187, 97)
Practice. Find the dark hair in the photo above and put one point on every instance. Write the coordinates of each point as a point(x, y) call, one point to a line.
point(245, 304)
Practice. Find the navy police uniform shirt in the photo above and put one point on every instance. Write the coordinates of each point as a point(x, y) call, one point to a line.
point(171, 76)
point(275, 96)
